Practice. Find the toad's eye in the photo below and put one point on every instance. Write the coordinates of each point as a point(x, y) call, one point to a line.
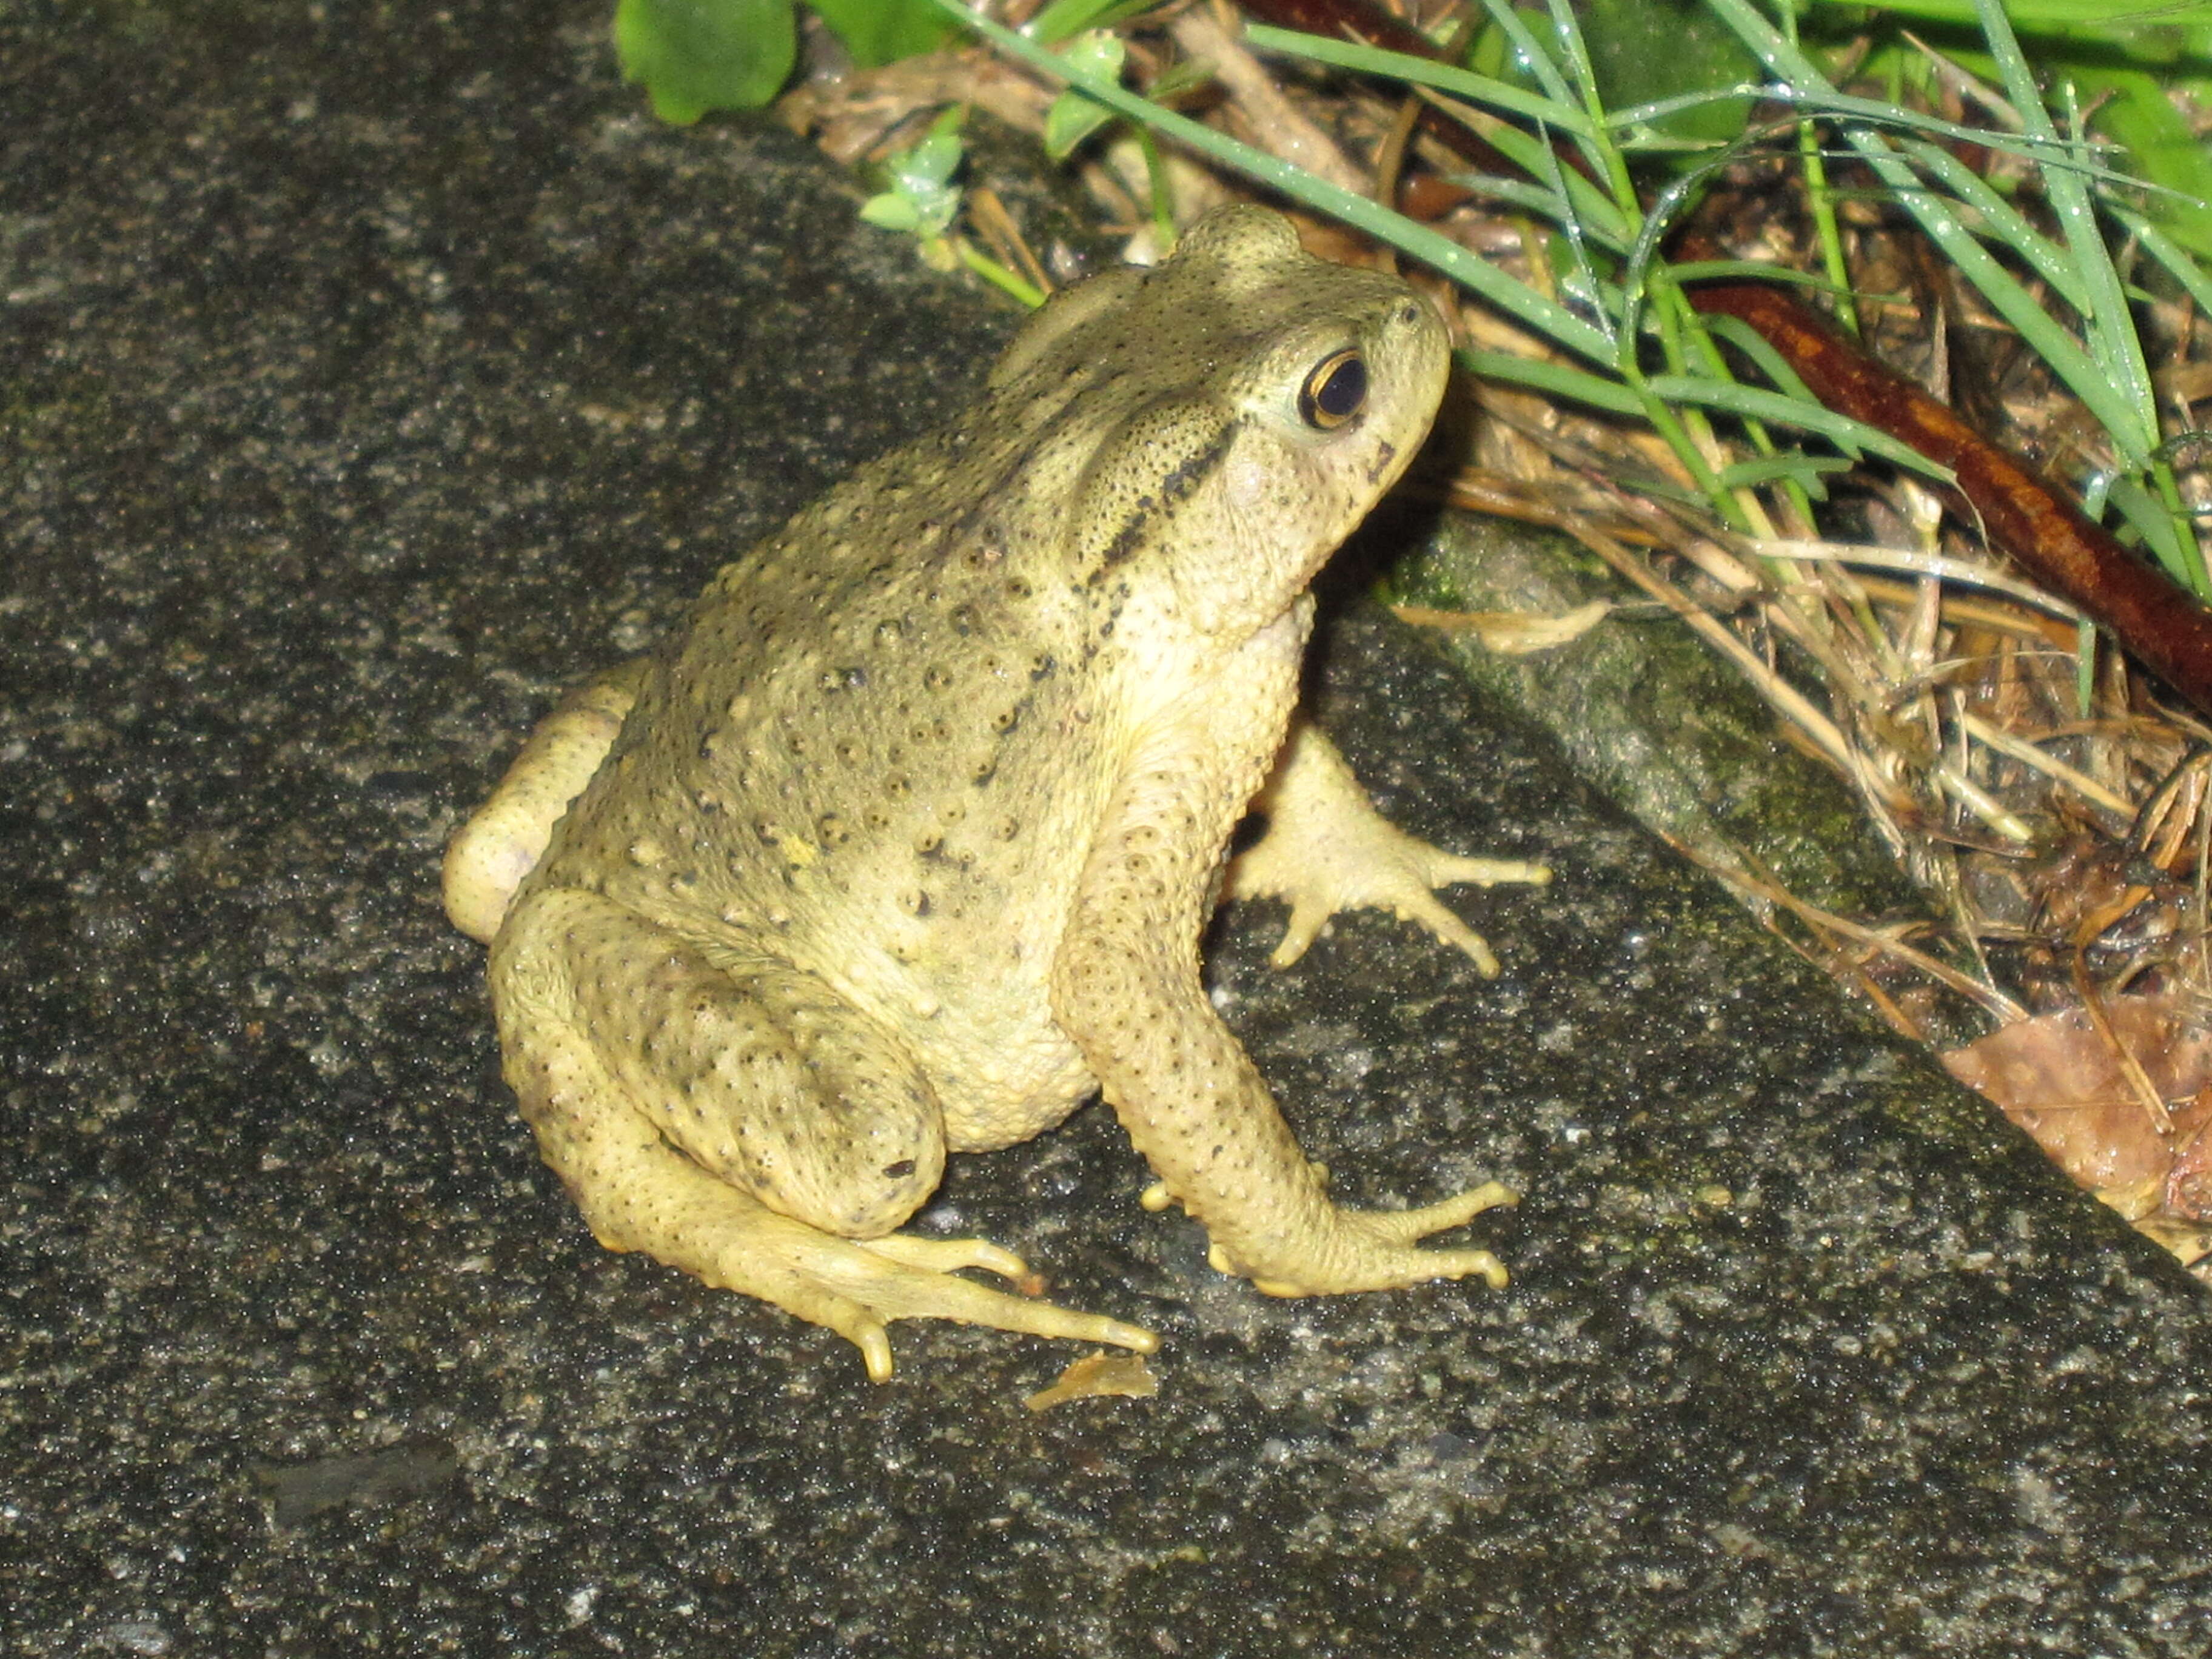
point(1334, 391)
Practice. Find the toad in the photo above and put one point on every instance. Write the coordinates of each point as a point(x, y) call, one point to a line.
point(903, 843)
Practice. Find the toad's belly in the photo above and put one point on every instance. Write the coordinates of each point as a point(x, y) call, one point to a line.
point(977, 1021)
point(995, 1093)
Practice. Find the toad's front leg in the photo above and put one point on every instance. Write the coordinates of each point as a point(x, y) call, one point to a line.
point(1328, 849)
point(1127, 988)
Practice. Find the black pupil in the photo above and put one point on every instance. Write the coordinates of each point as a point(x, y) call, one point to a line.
point(1342, 390)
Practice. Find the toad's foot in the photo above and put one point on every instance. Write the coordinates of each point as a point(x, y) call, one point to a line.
point(1328, 849)
point(1362, 1266)
point(682, 1216)
point(1373, 1250)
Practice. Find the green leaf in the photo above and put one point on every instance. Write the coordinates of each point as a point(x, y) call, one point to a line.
point(930, 164)
point(1645, 50)
point(2143, 120)
point(697, 55)
point(1065, 17)
point(891, 212)
point(1184, 75)
point(1072, 116)
point(922, 199)
point(879, 32)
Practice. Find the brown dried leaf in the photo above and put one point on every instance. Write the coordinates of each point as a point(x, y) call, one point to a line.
point(1098, 1372)
point(2188, 1187)
point(2191, 1243)
point(2057, 1079)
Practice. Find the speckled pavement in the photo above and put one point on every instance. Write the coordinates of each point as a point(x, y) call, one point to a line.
point(371, 372)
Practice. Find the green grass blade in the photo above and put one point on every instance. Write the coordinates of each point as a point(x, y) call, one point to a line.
point(1481, 89)
point(1636, 115)
point(2111, 405)
point(1530, 52)
point(1556, 381)
point(1754, 345)
point(1684, 272)
point(2112, 339)
point(1598, 214)
point(2038, 15)
point(1755, 403)
point(1518, 193)
point(2003, 222)
point(2148, 518)
point(1817, 97)
point(2170, 254)
point(1794, 466)
point(1539, 312)
point(1610, 164)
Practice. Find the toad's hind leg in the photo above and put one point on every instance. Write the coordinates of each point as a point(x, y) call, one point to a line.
point(505, 837)
point(747, 1127)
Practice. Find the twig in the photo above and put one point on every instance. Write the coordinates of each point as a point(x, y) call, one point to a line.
point(2155, 619)
point(2006, 1011)
point(2131, 1071)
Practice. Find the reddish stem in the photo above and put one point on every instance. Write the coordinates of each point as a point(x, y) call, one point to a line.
point(2154, 618)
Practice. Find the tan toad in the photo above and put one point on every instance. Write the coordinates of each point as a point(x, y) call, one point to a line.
point(903, 843)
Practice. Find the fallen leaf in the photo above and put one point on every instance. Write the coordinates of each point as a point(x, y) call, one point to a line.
point(2188, 1187)
point(2058, 1079)
point(1098, 1372)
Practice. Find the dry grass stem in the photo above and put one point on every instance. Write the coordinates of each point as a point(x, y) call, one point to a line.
point(1271, 119)
point(1935, 566)
point(1770, 894)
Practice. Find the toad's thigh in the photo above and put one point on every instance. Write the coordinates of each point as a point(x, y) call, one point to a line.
point(761, 1074)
